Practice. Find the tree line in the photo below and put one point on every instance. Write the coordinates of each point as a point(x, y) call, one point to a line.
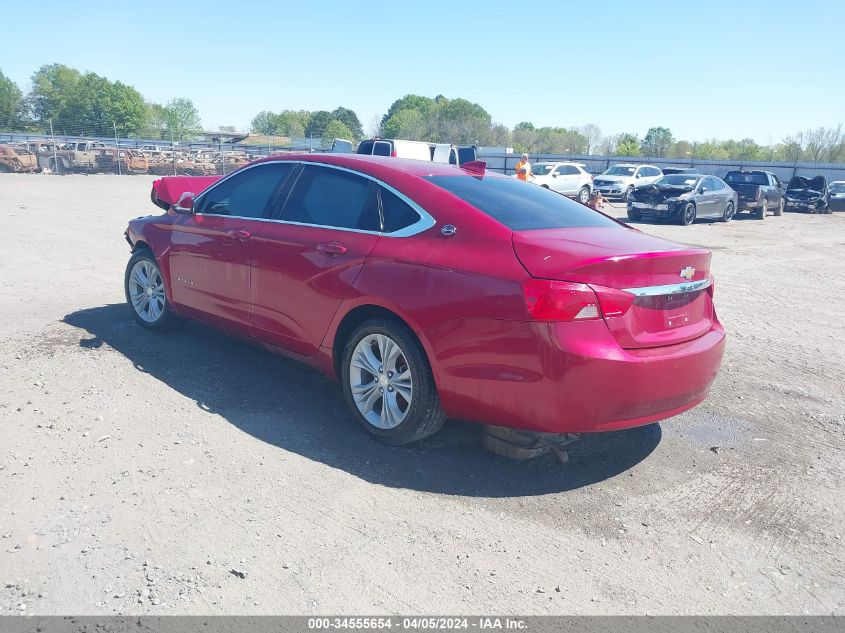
point(80, 103)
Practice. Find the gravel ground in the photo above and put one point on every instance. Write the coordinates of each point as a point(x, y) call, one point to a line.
point(192, 473)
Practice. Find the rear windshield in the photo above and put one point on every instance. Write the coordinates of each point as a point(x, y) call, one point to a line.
point(519, 205)
point(749, 177)
point(620, 170)
point(541, 169)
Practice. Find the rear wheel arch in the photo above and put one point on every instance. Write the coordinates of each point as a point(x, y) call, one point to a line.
point(360, 314)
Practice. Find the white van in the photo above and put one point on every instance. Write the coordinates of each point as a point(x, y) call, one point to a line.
point(418, 150)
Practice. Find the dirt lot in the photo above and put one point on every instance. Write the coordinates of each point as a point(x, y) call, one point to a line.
point(192, 473)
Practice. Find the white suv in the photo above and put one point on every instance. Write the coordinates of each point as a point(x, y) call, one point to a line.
point(570, 179)
point(620, 180)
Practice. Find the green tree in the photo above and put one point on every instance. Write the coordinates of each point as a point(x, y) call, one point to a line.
point(154, 121)
point(336, 129)
point(290, 122)
point(627, 145)
point(181, 119)
point(351, 121)
point(52, 86)
point(97, 105)
point(317, 123)
point(11, 104)
point(263, 123)
point(656, 142)
point(524, 126)
point(408, 124)
point(681, 149)
point(408, 102)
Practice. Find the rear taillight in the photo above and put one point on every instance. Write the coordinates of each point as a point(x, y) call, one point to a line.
point(549, 300)
point(712, 287)
point(393, 154)
point(613, 302)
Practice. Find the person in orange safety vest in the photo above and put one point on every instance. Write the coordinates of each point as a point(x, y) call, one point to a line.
point(523, 168)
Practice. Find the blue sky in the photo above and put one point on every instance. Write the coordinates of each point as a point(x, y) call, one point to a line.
point(704, 69)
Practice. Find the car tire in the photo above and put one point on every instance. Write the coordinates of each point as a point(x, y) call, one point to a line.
point(779, 208)
point(392, 409)
point(634, 215)
point(544, 186)
point(729, 213)
point(627, 194)
point(584, 194)
point(145, 291)
point(688, 214)
point(762, 210)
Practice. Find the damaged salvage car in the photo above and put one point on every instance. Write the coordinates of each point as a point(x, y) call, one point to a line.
point(432, 291)
point(683, 198)
point(807, 194)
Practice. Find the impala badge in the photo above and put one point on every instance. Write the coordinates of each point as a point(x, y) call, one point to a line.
point(687, 273)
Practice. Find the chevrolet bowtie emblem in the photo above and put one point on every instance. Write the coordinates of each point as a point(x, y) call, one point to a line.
point(688, 272)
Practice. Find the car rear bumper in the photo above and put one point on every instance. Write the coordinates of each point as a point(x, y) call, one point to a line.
point(574, 377)
point(748, 205)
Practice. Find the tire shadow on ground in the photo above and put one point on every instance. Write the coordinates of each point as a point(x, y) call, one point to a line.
point(287, 404)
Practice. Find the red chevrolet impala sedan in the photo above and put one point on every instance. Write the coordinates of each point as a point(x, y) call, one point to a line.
point(432, 291)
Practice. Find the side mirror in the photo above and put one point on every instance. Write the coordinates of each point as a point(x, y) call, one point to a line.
point(185, 204)
point(636, 176)
point(702, 190)
point(555, 175)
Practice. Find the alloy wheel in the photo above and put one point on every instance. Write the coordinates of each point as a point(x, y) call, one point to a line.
point(381, 382)
point(146, 291)
point(584, 195)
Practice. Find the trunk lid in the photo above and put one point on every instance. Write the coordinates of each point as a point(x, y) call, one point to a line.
point(669, 307)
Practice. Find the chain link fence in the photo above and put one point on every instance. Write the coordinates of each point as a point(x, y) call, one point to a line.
point(71, 150)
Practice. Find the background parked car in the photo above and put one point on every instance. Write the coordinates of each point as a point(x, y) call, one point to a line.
point(806, 194)
point(396, 148)
point(570, 179)
point(758, 191)
point(683, 198)
point(17, 159)
point(836, 189)
point(620, 180)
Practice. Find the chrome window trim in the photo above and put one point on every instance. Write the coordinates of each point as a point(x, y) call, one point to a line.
point(425, 222)
point(670, 289)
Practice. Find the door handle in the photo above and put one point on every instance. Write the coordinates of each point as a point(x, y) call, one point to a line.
point(332, 249)
point(241, 235)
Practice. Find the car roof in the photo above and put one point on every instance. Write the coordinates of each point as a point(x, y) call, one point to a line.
point(363, 162)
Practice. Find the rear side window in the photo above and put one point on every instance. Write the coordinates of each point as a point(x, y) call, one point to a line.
point(466, 155)
point(332, 198)
point(247, 193)
point(366, 147)
point(746, 177)
point(381, 149)
point(397, 213)
point(519, 205)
